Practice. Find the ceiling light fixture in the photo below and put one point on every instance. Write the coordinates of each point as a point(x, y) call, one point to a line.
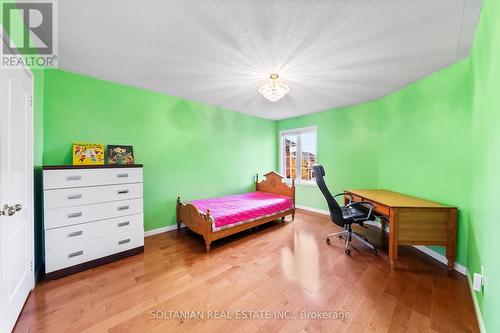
point(273, 89)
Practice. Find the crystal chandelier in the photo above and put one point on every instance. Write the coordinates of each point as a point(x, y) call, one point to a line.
point(273, 89)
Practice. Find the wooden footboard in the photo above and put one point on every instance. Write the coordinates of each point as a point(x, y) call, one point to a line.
point(197, 222)
point(201, 223)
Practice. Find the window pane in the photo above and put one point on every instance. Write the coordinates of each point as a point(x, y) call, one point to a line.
point(308, 158)
point(299, 154)
point(290, 154)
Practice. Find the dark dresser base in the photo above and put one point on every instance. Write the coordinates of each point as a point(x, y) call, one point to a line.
point(90, 264)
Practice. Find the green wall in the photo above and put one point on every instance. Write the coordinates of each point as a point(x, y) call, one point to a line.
point(439, 139)
point(187, 148)
point(413, 141)
point(425, 143)
point(345, 147)
point(484, 244)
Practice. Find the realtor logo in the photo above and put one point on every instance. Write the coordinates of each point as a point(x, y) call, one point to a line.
point(29, 36)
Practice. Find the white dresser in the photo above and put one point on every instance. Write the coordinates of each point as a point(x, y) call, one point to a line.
point(92, 215)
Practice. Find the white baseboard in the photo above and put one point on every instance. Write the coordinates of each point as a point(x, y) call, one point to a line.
point(459, 268)
point(161, 230)
point(320, 211)
point(479, 317)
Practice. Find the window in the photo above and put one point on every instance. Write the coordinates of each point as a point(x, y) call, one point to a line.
point(298, 154)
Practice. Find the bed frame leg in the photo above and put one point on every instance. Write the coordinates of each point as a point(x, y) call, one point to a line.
point(207, 245)
point(293, 216)
point(177, 219)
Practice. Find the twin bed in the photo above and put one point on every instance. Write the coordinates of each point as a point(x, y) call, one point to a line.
point(216, 218)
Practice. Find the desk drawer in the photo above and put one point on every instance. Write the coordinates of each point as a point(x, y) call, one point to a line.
point(74, 254)
point(83, 232)
point(381, 209)
point(355, 198)
point(53, 179)
point(59, 198)
point(61, 217)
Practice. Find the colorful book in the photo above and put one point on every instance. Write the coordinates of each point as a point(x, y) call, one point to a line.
point(88, 154)
point(120, 155)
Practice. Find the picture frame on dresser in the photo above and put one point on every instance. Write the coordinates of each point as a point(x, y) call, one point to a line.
point(92, 215)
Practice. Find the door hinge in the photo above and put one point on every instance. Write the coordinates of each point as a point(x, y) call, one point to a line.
point(31, 100)
point(31, 266)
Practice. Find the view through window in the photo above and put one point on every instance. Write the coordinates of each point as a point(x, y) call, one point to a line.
point(298, 154)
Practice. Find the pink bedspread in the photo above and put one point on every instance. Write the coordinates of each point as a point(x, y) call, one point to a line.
point(241, 208)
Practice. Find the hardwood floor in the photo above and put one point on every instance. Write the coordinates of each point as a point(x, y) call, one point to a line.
point(275, 267)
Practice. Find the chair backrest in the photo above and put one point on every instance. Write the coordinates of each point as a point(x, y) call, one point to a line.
point(333, 206)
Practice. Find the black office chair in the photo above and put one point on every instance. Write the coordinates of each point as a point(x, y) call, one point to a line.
point(354, 212)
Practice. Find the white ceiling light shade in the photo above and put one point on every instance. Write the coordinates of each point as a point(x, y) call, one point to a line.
point(273, 89)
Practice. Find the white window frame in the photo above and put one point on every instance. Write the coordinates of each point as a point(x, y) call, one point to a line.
point(298, 173)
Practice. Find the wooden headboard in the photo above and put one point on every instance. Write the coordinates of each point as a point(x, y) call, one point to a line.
point(273, 183)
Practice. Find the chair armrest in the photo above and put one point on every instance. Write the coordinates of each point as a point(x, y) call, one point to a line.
point(349, 194)
point(363, 203)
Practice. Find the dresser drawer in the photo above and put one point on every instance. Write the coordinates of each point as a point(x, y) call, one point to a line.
point(77, 196)
point(67, 256)
point(53, 179)
point(83, 232)
point(61, 217)
point(74, 254)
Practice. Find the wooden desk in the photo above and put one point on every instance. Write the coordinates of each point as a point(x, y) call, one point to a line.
point(412, 221)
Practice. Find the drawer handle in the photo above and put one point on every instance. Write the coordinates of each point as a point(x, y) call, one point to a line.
point(76, 233)
point(123, 224)
point(75, 254)
point(123, 192)
point(123, 207)
point(74, 178)
point(122, 175)
point(70, 216)
point(125, 241)
point(74, 196)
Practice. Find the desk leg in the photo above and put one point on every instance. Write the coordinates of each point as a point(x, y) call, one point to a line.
point(393, 236)
point(451, 242)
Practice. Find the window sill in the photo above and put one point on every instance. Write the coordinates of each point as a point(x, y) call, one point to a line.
point(301, 183)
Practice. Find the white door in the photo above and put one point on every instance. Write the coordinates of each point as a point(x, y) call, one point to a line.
point(16, 194)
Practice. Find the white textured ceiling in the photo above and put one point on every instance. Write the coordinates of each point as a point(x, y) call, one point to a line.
point(331, 53)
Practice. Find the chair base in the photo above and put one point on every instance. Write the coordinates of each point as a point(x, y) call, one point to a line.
point(348, 234)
